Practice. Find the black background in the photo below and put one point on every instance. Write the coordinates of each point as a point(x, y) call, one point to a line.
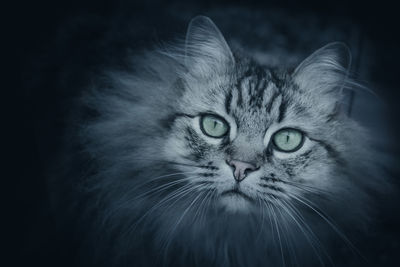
point(32, 27)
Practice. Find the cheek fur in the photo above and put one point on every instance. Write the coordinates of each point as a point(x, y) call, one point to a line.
point(187, 143)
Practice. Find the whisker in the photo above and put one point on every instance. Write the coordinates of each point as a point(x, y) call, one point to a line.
point(210, 167)
point(150, 192)
point(207, 204)
point(189, 164)
point(202, 204)
point(328, 221)
point(278, 233)
point(181, 192)
point(168, 175)
point(155, 160)
point(160, 188)
point(289, 245)
point(172, 231)
point(169, 184)
point(311, 189)
point(261, 228)
point(307, 232)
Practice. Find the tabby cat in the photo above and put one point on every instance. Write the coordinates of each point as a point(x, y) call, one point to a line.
point(203, 156)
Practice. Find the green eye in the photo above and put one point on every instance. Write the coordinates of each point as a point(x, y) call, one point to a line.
point(213, 126)
point(288, 140)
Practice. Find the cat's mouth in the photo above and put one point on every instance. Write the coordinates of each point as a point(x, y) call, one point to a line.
point(236, 192)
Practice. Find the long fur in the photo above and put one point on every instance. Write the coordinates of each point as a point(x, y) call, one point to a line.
point(148, 188)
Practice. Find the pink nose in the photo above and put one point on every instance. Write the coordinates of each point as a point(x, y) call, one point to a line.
point(241, 169)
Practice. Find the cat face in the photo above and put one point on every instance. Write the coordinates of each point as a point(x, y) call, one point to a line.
point(253, 135)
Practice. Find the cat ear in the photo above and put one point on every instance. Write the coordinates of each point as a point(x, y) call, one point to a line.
point(325, 73)
point(205, 48)
point(325, 70)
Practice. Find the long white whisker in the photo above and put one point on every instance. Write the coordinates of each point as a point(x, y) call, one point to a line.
point(279, 235)
point(150, 192)
point(311, 189)
point(163, 186)
point(178, 193)
point(289, 245)
point(172, 231)
point(261, 228)
point(291, 211)
point(330, 223)
point(202, 204)
point(209, 201)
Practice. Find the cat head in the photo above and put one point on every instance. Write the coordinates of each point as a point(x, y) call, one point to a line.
point(255, 135)
point(221, 131)
point(202, 139)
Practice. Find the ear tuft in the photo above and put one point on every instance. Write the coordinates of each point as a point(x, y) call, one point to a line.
point(326, 69)
point(205, 45)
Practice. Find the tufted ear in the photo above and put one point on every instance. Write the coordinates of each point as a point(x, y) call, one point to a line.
point(205, 48)
point(326, 69)
point(325, 73)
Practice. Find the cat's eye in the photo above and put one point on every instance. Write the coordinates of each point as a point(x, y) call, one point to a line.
point(288, 140)
point(213, 125)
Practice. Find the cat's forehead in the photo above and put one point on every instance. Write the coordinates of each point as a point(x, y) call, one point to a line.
point(256, 98)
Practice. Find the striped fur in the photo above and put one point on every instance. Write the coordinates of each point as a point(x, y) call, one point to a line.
point(160, 191)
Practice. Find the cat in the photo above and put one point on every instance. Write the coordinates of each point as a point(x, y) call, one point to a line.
point(203, 156)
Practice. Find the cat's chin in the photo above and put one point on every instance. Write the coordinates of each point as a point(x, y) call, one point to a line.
point(233, 203)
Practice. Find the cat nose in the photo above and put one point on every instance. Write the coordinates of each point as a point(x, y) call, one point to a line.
point(241, 169)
